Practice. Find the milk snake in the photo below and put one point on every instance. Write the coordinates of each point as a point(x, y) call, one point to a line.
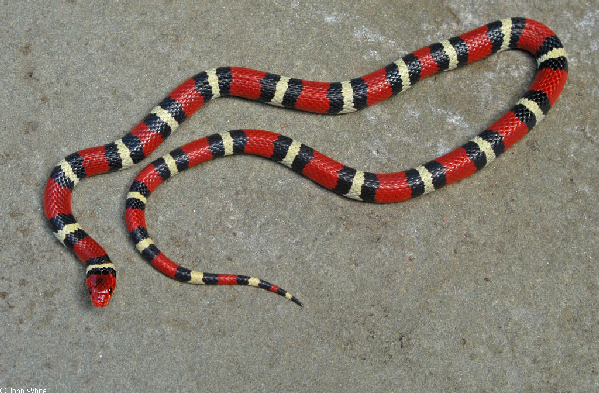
point(319, 97)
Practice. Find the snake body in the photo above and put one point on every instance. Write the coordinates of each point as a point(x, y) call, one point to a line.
point(319, 97)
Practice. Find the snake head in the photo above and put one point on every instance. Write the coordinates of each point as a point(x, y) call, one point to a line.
point(101, 282)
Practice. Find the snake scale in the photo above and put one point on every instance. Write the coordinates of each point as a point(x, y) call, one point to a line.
point(318, 97)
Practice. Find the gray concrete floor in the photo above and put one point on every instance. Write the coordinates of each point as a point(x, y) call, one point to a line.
point(489, 285)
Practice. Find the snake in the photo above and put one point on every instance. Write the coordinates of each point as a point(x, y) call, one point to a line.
point(311, 96)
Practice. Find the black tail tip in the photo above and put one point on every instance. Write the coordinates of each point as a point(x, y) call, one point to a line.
point(296, 301)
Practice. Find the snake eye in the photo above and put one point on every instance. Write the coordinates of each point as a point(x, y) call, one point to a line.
point(89, 290)
point(110, 291)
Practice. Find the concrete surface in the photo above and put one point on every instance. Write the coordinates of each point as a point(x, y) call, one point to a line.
point(489, 285)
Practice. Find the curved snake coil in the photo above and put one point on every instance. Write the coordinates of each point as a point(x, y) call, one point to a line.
point(319, 97)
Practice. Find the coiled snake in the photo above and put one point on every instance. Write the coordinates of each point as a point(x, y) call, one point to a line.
point(319, 97)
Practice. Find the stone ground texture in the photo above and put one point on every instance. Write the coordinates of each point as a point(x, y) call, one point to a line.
point(489, 285)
